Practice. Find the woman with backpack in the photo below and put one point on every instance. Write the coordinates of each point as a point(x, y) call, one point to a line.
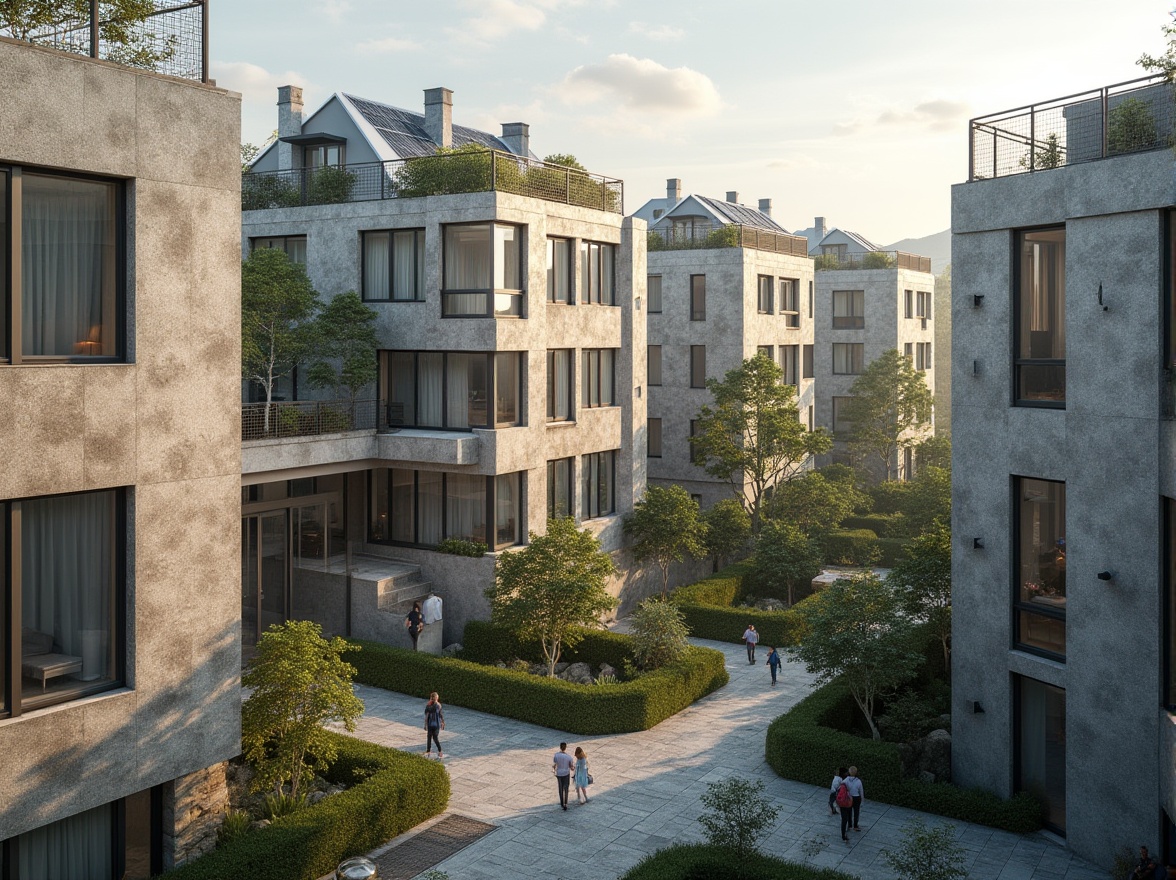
point(838, 778)
point(434, 723)
point(844, 801)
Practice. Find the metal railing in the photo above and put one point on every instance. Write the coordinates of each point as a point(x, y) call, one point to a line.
point(172, 40)
point(701, 236)
point(1128, 117)
point(307, 418)
point(873, 260)
point(443, 174)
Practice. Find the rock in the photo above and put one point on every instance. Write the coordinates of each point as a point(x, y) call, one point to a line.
point(770, 605)
point(605, 669)
point(315, 797)
point(335, 789)
point(936, 754)
point(500, 665)
point(562, 667)
point(577, 673)
point(926, 776)
point(452, 649)
point(259, 824)
point(538, 669)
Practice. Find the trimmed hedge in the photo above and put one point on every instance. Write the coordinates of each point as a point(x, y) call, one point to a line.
point(809, 742)
point(721, 588)
point(391, 792)
point(700, 860)
point(548, 702)
point(850, 546)
point(483, 642)
point(706, 606)
point(884, 525)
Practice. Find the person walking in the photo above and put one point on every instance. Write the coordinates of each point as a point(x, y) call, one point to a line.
point(844, 801)
point(838, 778)
point(434, 724)
point(414, 623)
point(773, 663)
point(582, 779)
point(751, 637)
point(856, 792)
point(561, 766)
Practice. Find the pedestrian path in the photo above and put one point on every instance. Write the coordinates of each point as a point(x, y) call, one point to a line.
point(648, 786)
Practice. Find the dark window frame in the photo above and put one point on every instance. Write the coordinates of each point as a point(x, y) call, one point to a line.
point(649, 349)
point(518, 298)
point(843, 432)
point(585, 501)
point(417, 265)
point(551, 386)
point(660, 294)
point(1018, 362)
point(1016, 605)
point(808, 357)
point(790, 302)
point(765, 294)
point(855, 320)
point(383, 387)
point(857, 364)
point(570, 463)
point(587, 399)
point(1017, 768)
point(790, 358)
point(697, 370)
point(570, 300)
point(1168, 684)
point(696, 456)
point(697, 297)
point(594, 294)
point(660, 437)
point(285, 248)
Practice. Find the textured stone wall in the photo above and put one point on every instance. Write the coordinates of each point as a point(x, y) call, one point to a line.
point(193, 809)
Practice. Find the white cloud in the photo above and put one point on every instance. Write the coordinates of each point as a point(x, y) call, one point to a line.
point(335, 9)
point(662, 33)
point(642, 86)
point(494, 19)
point(938, 115)
point(384, 45)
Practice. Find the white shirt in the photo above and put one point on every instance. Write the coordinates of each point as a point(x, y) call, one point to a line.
point(431, 609)
point(751, 636)
point(837, 780)
point(854, 785)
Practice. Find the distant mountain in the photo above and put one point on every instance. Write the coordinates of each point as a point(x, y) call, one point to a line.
point(937, 247)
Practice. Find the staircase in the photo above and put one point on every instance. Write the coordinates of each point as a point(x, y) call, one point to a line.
point(403, 585)
point(383, 590)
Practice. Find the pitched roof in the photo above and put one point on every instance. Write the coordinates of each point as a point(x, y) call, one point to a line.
point(742, 214)
point(865, 244)
point(404, 131)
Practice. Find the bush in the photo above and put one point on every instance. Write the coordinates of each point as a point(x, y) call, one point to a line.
point(236, 823)
point(738, 814)
point(890, 496)
point(390, 793)
point(548, 702)
point(809, 742)
point(722, 588)
point(329, 186)
point(696, 861)
point(279, 805)
point(878, 260)
point(660, 634)
point(483, 642)
point(884, 525)
point(706, 607)
point(851, 547)
point(260, 191)
point(462, 547)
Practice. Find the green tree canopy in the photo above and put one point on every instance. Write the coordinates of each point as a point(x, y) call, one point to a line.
point(928, 501)
point(785, 558)
point(855, 630)
point(347, 335)
point(1166, 63)
point(935, 451)
point(299, 683)
point(922, 582)
point(659, 634)
point(552, 588)
point(68, 22)
point(889, 409)
point(752, 435)
point(814, 503)
point(665, 528)
point(727, 529)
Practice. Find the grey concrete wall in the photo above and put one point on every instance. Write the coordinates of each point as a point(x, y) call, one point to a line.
point(1110, 447)
point(166, 425)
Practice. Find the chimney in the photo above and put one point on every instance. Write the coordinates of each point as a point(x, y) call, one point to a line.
point(765, 206)
point(439, 116)
point(289, 123)
point(733, 197)
point(819, 226)
point(517, 137)
point(674, 189)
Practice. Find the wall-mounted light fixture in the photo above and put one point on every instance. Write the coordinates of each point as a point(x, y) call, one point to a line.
point(1100, 302)
point(975, 368)
point(977, 543)
point(977, 300)
point(1106, 575)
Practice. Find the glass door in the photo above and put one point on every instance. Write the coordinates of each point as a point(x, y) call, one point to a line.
point(273, 565)
point(249, 580)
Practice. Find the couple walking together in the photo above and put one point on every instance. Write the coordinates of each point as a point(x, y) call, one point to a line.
point(846, 792)
point(568, 769)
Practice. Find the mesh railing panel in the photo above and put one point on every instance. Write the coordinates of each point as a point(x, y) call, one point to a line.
point(307, 418)
point(874, 260)
point(702, 236)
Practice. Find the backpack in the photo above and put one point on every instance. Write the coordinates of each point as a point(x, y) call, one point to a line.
point(843, 799)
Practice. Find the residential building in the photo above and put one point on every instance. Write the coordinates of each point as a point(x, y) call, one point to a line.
point(1063, 488)
point(119, 348)
point(511, 366)
point(725, 281)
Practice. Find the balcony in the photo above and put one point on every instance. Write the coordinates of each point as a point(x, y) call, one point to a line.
point(443, 174)
point(729, 235)
point(1128, 117)
point(172, 40)
point(307, 418)
point(873, 260)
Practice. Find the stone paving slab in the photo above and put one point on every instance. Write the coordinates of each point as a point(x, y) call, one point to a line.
point(648, 789)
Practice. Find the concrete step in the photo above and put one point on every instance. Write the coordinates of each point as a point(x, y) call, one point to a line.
point(401, 597)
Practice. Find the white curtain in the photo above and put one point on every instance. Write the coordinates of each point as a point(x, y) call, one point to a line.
point(607, 258)
point(430, 373)
point(559, 488)
point(506, 265)
point(560, 384)
point(459, 402)
point(506, 506)
point(404, 266)
point(559, 256)
point(76, 848)
point(375, 265)
point(402, 505)
point(465, 506)
point(467, 257)
point(69, 263)
point(506, 374)
point(653, 291)
point(430, 503)
point(608, 358)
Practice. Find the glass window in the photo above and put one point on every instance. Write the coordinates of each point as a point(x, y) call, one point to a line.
point(849, 309)
point(811, 422)
point(597, 275)
point(599, 498)
point(655, 438)
point(848, 358)
point(1040, 593)
point(696, 455)
point(765, 294)
point(294, 246)
point(424, 507)
point(507, 381)
point(482, 270)
point(789, 306)
point(654, 369)
point(559, 488)
point(559, 385)
point(654, 293)
point(70, 248)
point(1041, 747)
point(465, 507)
point(403, 506)
point(4, 240)
point(598, 377)
point(908, 308)
point(808, 362)
point(923, 304)
point(789, 355)
point(507, 497)
point(697, 297)
point(908, 351)
point(1040, 310)
point(841, 425)
point(430, 507)
point(698, 366)
point(394, 265)
point(1169, 290)
point(559, 270)
point(436, 389)
point(810, 300)
point(1170, 594)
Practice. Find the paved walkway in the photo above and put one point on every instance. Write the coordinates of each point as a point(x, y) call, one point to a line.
point(647, 789)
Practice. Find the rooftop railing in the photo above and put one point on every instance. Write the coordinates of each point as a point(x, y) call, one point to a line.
point(702, 236)
point(874, 260)
point(443, 174)
point(172, 40)
point(1128, 117)
point(307, 418)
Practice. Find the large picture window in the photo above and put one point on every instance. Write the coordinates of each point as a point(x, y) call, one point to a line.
point(1040, 310)
point(597, 273)
point(559, 385)
point(483, 271)
point(422, 508)
point(559, 488)
point(559, 270)
point(1039, 594)
point(451, 389)
point(849, 309)
point(599, 475)
point(598, 377)
point(68, 301)
point(848, 358)
point(394, 265)
point(68, 574)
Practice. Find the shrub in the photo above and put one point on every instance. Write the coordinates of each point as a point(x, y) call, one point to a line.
point(390, 793)
point(851, 547)
point(462, 547)
point(483, 642)
point(927, 854)
point(706, 607)
point(884, 525)
point(279, 805)
point(1130, 127)
point(737, 815)
point(548, 702)
point(878, 260)
point(329, 186)
point(451, 170)
point(659, 634)
point(260, 191)
point(723, 588)
point(697, 861)
point(890, 496)
point(236, 823)
point(809, 741)
point(907, 717)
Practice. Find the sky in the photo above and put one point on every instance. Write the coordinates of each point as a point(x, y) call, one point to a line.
point(854, 111)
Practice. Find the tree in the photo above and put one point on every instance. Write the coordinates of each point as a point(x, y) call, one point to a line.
point(752, 436)
point(67, 22)
point(347, 335)
point(855, 630)
point(928, 500)
point(552, 588)
point(1049, 155)
point(1131, 126)
point(785, 558)
point(927, 854)
point(889, 407)
point(727, 529)
point(922, 582)
point(300, 683)
point(250, 151)
point(935, 451)
point(659, 634)
point(278, 310)
point(1166, 63)
point(814, 503)
point(665, 528)
point(739, 814)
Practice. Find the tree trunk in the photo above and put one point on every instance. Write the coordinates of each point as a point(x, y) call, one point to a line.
point(665, 580)
point(866, 704)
